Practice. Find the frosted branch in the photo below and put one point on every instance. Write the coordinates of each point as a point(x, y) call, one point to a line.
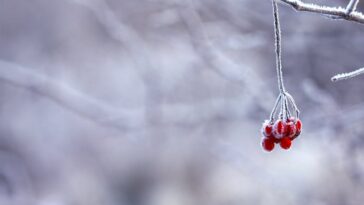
point(345, 76)
point(347, 13)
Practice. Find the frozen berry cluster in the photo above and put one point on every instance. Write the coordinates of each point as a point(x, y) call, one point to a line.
point(280, 131)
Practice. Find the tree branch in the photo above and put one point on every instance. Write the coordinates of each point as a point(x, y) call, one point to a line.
point(345, 76)
point(347, 13)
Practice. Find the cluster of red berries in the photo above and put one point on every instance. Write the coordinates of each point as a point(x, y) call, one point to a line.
point(282, 132)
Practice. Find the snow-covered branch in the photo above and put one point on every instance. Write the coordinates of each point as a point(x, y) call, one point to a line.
point(347, 13)
point(344, 76)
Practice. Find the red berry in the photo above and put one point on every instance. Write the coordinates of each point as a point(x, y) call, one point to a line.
point(279, 127)
point(298, 125)
point(291, 129)
point(286, 143)
point(298, 128)
point(286, 129)
point(267, 128)
point(268, 144)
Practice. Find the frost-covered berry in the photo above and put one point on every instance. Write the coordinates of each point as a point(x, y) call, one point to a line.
point(291, 129)
point(286, 142)
point(267, 128)
point(298, 125)
point(268, 144)
point(298, 128)
point(279, 127)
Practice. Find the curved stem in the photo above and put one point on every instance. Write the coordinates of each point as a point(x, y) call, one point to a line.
point(275, 108)
point(286, 104)
point(282, 113)
point(292, 101)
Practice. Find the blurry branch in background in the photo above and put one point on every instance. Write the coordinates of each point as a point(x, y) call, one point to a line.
point(353, 114)
point(349, 13)
point(221, 64)
point(105, 115)
point(116, 29)
point(325, 102)
point(224, 66)
point(69, 98)
point(138, 50)
point(217, 60)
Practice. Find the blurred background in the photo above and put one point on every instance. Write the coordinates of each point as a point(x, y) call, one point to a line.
point(160, 102)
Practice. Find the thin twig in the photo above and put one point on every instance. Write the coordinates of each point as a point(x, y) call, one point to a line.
point(293, 103)
point(333, 12)
point(352, 6)
point(286, 105)
point(347, 13)
point(272, 114)
point(345, 76)
point(277, 37)
point(283, 114)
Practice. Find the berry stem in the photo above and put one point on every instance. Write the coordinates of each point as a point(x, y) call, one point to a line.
point(277, 35)
point(292, 101)
point(275, 108)
point(283, 112)
point(286, 105)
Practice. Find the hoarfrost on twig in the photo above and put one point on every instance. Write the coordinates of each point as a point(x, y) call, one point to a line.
point(349, 13)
